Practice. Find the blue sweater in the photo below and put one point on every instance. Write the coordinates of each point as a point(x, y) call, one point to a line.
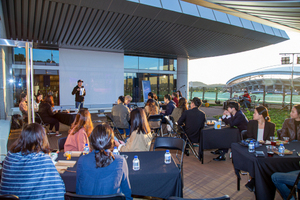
point(31, 176)
point(102, 181)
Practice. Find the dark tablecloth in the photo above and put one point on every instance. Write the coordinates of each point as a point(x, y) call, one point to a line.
point(155, 178)
point(65, 118)
point(211, 138)
point(261, 168)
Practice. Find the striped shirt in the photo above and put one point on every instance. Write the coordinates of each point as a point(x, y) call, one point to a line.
point(31, 176)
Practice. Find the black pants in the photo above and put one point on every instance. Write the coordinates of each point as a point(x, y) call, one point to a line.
point(53, 122)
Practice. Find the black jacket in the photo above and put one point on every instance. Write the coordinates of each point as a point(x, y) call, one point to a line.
point(253, 129)
point(78, 98)
point(194, 120)
point(45, 111)
point(239, 120)
point(170, 107)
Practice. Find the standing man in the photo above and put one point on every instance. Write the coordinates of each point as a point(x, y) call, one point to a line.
point(79, 92)
point(246, 98)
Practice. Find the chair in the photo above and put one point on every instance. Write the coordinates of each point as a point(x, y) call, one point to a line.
point(44, 124)
point(61, 143)
point(110, 121)
point(189, 142)
point(8, 196)
point(294, 187)
point(172, 143)
point(156, 118)
point(244, 134)
point(225, 197)
point(71, 196)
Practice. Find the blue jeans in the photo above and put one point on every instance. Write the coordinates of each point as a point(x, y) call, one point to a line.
point(281, 180)
point(78, 105)
point(246, 103)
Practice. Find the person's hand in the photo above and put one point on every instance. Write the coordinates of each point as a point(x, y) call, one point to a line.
point(121, 142)
point(226, 112)
point(117, 144)
point(78, 89)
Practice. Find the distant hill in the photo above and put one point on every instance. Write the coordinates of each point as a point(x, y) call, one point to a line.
point(196, 84)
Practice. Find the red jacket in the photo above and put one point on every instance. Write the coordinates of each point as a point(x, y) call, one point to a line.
point(248, 97)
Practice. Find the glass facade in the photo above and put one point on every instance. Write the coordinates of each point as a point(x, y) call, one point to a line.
point(161, 72)
point(40, 56)
point(44, 80)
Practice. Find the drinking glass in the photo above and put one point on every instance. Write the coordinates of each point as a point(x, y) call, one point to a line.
point(270, 151)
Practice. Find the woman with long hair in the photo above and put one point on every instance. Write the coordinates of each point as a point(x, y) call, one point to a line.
point(100, 172)
point(28, 170)
point(37, 102)
point(182, 106)
point(151, 108)
point(260, 129)
point(291, 126)
point(141, 136)
point(47, 114)
point(79, 132)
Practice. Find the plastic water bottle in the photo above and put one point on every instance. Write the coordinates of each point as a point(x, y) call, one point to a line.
point(167, 157)
point(281, 150)
point(61, 109)
point(220, 120)
point(115, 151)
point(86, 149)
point(136, 163)
point(251, 147)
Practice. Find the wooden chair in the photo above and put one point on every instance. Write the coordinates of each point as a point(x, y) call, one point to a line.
point(71, 196)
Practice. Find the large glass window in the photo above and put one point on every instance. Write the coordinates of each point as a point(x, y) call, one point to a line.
point(131, 62)
point(148, 63)
point(40, 56)
point(47, 81)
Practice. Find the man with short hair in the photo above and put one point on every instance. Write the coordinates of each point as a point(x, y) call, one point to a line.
point(170, 105)
point(121, 115)
point(79, 96)
point(193, 120)
point(234, 117)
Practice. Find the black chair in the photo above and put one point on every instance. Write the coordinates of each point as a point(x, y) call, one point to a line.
point(8, 196)
point(110, 121)
point(172, 143)
point(61, 143)
point(71, 196)
point(244, 134)
point(295, 186)
point(189, 142)
point(225, 197)
point(157, 119)
point(37, 115)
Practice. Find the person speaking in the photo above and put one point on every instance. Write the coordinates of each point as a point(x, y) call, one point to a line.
point(79, 92)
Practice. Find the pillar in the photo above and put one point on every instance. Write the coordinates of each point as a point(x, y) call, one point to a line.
point(182, 76)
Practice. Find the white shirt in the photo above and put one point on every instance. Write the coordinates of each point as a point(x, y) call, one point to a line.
point(260, 134)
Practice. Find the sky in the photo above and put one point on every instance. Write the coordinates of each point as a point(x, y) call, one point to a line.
point(213, 70)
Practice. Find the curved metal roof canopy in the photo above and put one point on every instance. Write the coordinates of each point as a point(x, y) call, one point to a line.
point(156, 27)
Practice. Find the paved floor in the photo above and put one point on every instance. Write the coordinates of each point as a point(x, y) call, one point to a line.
point(211, 179)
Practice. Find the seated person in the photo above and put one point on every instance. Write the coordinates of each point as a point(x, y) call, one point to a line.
point(282, 180)
point(141, 136)
point(79, 132)
point(152, 96)
point(291, 126)
point(182, 106)
point(121, 115)
point(233, 116)
point(100, 172)
point(260, 128)
point(152, 109)
point(37, 102)
point(179, 94)
point(170, 105)
point(175, 98)
point(128, 99)
point(23, 106)
point(47, 114)
point(246, 99)
point(28, 171)
point(193, 120)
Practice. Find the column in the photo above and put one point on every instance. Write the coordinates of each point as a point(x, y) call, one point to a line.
point(182, 76)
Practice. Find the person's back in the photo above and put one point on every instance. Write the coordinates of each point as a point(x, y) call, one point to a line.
point(100, 181)
point(138, 142)
point(193, 120)
point(76, 141)
point(121, 114)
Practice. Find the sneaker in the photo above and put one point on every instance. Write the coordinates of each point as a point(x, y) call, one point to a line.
point(216, 152)
point(58, 134)
point(220, 158)
point(251, 185)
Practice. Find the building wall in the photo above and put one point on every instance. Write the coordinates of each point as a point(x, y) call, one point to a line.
point(102, 73)
point(182, 76)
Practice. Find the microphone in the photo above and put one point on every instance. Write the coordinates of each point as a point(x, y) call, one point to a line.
point(182, 86)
